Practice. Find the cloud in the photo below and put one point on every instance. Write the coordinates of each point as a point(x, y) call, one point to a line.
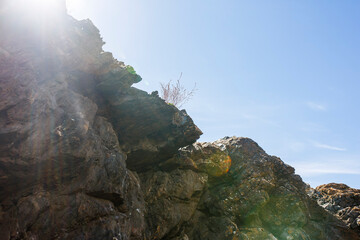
point(325, 146)
point(316, 106)
point(342, 165)
point(318, 169)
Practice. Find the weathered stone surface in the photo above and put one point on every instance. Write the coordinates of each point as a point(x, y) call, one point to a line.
point(340, 200)
point(149, 130)
point(248, 195)
point(63, 171)
point(83, 155)
point(171, 199)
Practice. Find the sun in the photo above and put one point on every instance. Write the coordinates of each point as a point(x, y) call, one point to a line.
point(36, 8)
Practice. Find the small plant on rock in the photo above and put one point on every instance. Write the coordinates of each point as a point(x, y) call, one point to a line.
point(175, 93)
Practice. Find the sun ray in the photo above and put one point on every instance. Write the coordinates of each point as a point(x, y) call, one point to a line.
point(35, 8)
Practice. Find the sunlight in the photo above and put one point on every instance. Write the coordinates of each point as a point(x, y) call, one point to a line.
point(73, 5)
point(35, 16)
point(37, 8)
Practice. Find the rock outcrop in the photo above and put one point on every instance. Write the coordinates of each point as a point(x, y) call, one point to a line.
point(65, 105)
point(83, 155)
point(231, 189)
point(340, 200)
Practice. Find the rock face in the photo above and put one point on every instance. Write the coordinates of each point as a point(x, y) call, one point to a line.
point(83, 155)
point(231, 189)
point(65, 105)
point(340, 200)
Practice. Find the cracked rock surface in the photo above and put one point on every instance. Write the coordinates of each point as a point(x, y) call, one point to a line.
point(65, 132)
point(340, 200)
point(84, 155)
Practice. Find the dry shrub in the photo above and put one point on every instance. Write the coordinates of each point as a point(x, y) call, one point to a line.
point(175, 93)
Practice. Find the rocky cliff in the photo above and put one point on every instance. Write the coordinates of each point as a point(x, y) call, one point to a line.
point(83, 155)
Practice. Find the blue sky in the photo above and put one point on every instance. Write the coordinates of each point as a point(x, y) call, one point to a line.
point(284, 73)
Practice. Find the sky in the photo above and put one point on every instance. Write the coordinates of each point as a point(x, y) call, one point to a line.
point(284, 73)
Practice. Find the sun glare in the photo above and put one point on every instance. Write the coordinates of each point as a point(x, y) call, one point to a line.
point(39, 8)
point(72, 5)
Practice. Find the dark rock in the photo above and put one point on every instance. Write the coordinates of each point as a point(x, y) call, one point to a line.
point(63, 171)
point(149, 130)
point(83, 155)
